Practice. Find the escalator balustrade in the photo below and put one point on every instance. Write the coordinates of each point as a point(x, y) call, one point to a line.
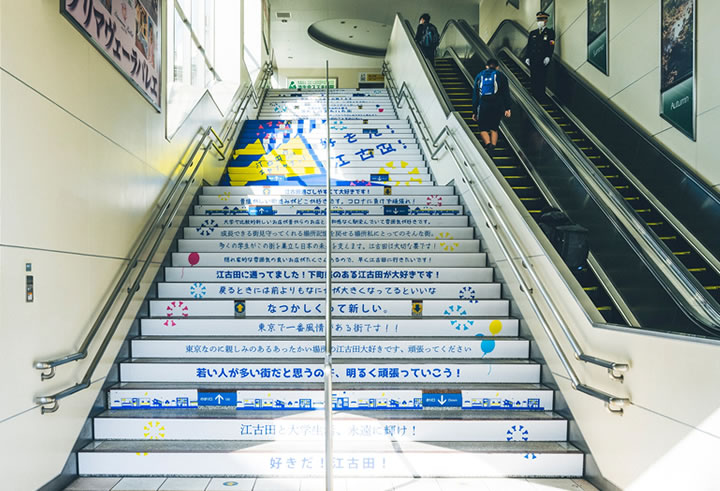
point(506, 161)
point(665, 231)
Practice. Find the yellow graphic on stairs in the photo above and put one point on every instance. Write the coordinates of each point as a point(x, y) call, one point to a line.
point(394, 180)
point(448, 243)
point(153, 430)
point(291, 159)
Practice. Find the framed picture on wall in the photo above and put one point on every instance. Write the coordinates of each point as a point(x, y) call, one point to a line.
point(597, 34)
point(677, 64)
point(548, 6)
point(128, 34)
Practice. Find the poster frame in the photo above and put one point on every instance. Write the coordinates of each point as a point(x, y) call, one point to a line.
point(160, 54)
point(693, 133)
point(549, 7)
point(606, 69)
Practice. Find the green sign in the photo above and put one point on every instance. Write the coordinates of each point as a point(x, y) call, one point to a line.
point(597, 34)
point(677, 65)
point(311, 83)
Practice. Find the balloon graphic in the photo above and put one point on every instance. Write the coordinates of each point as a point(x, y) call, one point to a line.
point(193, 258)
point(495, 327)
point(487, 346)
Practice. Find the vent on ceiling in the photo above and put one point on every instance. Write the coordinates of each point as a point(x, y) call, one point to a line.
point(282, 15)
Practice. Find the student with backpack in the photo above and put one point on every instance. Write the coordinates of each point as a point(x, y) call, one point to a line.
point(427, 38)
point(491, 100)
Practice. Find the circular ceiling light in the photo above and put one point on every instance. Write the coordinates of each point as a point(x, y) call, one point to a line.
point(364, 38)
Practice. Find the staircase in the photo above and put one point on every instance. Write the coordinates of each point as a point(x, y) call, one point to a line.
point(430, 377)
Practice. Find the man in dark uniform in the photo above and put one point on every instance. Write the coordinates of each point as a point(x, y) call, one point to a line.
point(538, 53)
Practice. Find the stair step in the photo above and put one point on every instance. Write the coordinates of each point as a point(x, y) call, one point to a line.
point(312, 308)
point(309, 275)
point(337, 221)
point(477, 397)
point(212, 230)
point(358, 371)
point(426, 260)
point(373, 327)
point(356, 458)
point(338, 245)
point(231, 349)
point(474, 291)
point(419, 200)
point(308, 426)
point(427, 190)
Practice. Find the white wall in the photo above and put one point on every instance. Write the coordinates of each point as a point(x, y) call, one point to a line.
point(83, 160)
point(634, 81)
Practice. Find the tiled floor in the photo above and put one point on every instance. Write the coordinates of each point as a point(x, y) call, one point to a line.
point(285, 484)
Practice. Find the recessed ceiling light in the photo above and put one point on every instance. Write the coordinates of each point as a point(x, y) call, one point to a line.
point(354, 27)
point(342, 22)
point(350, 37)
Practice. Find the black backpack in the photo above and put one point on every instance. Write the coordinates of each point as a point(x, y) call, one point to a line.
point(430, 38)
point(569, 239)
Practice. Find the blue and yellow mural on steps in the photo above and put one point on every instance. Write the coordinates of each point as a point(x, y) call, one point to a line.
point(274, 152)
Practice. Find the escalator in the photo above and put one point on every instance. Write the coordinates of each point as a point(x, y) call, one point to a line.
point(695, 262)
point(459, 91)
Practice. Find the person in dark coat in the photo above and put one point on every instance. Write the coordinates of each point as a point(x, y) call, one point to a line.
point(427, 38)
point(491, 100)
point(538, 54)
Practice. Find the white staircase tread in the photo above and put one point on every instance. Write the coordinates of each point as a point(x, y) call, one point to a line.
point(118, 483)
point(337, 386)
point(213, 446)
point(228, 412)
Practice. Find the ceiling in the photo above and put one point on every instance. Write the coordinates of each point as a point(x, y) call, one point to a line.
point(294, 48)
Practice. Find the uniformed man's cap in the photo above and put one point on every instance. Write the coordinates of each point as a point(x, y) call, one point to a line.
point(542, 15)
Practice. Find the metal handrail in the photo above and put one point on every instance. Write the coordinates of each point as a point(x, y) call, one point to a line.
point(155, 222)
point(614, 404)
point(690, 296)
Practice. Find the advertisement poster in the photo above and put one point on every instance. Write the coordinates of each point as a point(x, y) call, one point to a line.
point(127, 33)
point(677, 65)
point(597, 35)
point(548, 6)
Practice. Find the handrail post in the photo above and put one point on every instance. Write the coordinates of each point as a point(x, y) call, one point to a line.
point(327, 372)
point(50, 404)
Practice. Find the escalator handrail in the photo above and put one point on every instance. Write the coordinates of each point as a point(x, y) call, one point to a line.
point(690, 296)
point(699, 248)
point(429, 73)
point(489, 209)
point(615, 298)
point(162, 220)
point(641, 133)
point(614, 372)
